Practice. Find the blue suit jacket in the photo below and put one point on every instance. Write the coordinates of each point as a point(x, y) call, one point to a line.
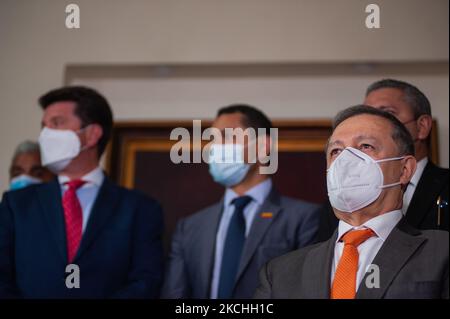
point(120, 254)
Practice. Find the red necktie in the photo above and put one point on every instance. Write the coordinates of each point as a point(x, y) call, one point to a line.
point(73, 217)
point(344, 283)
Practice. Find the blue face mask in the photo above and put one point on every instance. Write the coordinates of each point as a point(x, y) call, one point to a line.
point(226, 164)
point(23, 181)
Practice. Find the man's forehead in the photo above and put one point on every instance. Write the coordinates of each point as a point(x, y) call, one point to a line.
point(361, 137)
point(232, 120)
point(60, 107)
point(386, 98)
point(364, 126)
point(387, 93)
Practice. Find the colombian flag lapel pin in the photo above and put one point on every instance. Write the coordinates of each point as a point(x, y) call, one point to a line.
point(266, 215)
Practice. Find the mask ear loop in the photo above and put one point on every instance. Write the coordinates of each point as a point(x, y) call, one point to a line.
point(83, 148)
point(387, 160)
point(390, 185)
point(390, 159)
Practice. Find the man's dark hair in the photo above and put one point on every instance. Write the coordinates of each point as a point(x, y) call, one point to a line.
point(91, 108)
point(417, 101)
point(252, 117)
point(400, 134)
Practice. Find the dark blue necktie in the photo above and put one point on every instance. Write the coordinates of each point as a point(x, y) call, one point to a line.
point(232, 250)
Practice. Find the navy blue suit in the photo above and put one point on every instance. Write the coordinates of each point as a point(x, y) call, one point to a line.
point(120, 254)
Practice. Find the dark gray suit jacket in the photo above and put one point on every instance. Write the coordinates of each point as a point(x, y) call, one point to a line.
point(294, 224)
point(412, 264)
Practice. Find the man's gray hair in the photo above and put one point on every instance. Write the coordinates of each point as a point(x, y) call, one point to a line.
point(416, 100)
point(26, 147)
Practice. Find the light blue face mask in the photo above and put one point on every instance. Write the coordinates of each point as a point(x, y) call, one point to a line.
point(23, 181)
point(226, 164)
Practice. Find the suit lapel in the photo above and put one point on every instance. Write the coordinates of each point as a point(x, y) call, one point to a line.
point(102, 210)
point(51, 203)
point(394, 253)
point(258, 229)
point(315, 278)
point(207, 246)
point(424, 196)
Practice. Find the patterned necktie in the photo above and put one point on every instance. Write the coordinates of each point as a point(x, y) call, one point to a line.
point(232, 250)
point(344, 283)
point(73, 217)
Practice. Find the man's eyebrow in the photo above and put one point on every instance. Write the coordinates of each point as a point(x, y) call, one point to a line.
point(387, 107)
point(54, 119)
point(357, 139)
point(336, 142)
point(365, 137)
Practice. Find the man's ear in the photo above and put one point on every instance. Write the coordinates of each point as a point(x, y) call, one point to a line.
point(94, 132)
point(264, 144)
point(408, 169)
point(424, 125)
point(268, 144)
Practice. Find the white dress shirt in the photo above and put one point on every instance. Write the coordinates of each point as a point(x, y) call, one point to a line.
point(407, 196)
point(87, 193)
point(258, 194)
point(382, 226)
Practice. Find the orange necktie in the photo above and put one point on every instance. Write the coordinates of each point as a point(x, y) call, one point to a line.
point(344, 283)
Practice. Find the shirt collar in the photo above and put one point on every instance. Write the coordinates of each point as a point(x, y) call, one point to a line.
point(258, 193)
point(419, 170)
point(94, 177)
point(382, 225)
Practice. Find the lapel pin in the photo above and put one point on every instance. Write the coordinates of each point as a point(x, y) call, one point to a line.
point(266, 215)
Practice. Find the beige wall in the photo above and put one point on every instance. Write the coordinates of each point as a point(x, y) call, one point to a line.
point(36, 49)
point(282, 91)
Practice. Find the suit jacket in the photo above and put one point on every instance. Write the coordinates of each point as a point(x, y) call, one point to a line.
point(120, 254)
point(412, 264)
point(422, 212)
point(191, 261)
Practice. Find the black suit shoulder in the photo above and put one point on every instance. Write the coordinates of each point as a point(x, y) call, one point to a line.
point(435, 174)
point(431, 192)
point(441, 171)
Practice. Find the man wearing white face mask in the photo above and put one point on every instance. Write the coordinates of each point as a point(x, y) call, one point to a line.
point(112, 235)
point(374, 253)
point(425, 201)
point(217, 252)
point(26, 167)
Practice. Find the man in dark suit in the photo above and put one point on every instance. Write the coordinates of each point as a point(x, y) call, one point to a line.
point(79, 236)
point(425, 202)
point(217, 252)
point(374, 253)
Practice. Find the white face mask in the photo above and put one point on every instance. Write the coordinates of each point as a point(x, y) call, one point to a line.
point(58, 148)
point(355, 180)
